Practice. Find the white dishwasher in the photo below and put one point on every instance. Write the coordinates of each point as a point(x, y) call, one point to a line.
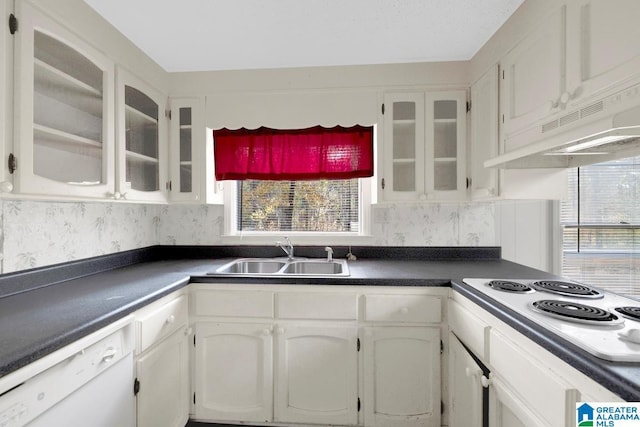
point(92, 387)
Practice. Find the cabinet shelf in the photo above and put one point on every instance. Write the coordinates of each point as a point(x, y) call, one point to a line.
point(405, 122)
point(137, 114)
point(56, 84)
point(404, 160)
point(445, 159)
point(65, 141)
point(140, 158)
point(445, 120)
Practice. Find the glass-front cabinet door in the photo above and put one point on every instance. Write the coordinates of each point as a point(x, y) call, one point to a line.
point(445, 140)
point(403, 146)
point(64, 111)
point(141, 140)
point(186, 141)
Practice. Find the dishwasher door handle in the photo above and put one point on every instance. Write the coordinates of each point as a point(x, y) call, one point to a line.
point(108, 355)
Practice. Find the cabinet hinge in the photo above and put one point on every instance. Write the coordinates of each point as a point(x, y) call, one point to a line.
point(468, 182)
point(358, 344)
point(468, 106)
point(167, 113)
point(502, 74)
point(441, 347)
point(442, 407)
point(358, 404)
point(194, 340)
point(12, 163)
point(382, 109)
point(13, 24)
point(503, 119)
point(194, 398)
point(136, 387)
point(168, 185)
point(382, 183)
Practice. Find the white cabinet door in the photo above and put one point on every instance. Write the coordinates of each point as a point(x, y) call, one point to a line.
point(402, 376)
point(163, 376)
point(465, 388)
point(533, 76)
point(142, 140)
point(506, 410)
point(404, 154)
point(233, 365)
point(445, 140)
point(485, 140)
point(187, 149)
point(64, 111)
point(602, 45)
point(316, 377)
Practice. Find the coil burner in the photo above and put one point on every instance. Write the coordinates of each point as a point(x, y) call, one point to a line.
point(510, 286)
point(629, 312)
point(576, 312)
point(566, 288)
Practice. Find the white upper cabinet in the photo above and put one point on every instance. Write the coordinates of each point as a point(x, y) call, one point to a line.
point(142, 140)
point(485, 141)
point(424, 145)
point(581, 52)
point(403, 146)
point(64, 111)
point(533, 77)
point(186, 149)
point(602, 45)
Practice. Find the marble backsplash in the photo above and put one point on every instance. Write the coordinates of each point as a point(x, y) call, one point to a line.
point(39, 233)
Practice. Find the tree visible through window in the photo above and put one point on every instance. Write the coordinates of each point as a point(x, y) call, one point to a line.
point(601, 226)
point(307, 206)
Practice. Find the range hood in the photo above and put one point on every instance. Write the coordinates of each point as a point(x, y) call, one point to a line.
point(604, 130)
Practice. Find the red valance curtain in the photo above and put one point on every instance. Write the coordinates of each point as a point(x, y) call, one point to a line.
point(300, 154)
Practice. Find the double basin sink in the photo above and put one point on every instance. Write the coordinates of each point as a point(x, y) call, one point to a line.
point(283, 267)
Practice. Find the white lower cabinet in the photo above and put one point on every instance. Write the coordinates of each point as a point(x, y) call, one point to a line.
point(234, 374)
point(316, 377)
point(163, 375)
point(315, 356)
point(401, 376)
point(162, 362)
point(465, 387)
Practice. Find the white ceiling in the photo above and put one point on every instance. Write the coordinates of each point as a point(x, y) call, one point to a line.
point(199, 35)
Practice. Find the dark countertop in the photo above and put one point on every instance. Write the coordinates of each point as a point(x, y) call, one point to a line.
point(38, 318)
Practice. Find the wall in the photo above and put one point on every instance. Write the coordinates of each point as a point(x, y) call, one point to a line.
point(39, 233)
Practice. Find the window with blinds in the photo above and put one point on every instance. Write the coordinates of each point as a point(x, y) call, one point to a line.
point(601, 226)
point(305, 206)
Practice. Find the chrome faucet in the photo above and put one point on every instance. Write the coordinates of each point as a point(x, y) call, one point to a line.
point(287, 247)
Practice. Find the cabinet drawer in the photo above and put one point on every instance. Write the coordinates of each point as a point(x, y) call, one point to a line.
point(317, 305)
point(161, 322)
point(233, 303)
point(539, 387)
point(468, 327)
point(402, 308)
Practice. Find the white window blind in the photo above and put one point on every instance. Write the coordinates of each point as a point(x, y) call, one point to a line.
point(305, 206)
point(601, 226)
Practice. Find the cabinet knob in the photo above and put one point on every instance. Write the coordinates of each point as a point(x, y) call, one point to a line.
point(266, 332)
point(404, 310)
point(6, 187)
point(280, 331)
point(486, 382)
point(171, 319)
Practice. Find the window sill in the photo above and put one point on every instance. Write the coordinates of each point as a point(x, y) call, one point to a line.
point(323, 239)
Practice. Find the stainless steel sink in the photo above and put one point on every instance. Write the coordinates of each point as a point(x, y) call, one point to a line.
point(252, 266)
point(322, 267)
point(266, 267)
